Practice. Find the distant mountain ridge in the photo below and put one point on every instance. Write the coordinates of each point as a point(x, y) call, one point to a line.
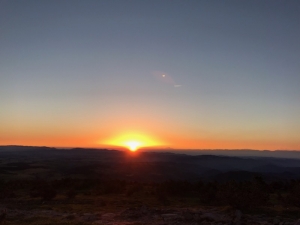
point(236, 152)
point(30, 162)
point(289, 154)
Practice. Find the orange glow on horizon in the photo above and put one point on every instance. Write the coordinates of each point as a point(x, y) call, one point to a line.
point(132, 141)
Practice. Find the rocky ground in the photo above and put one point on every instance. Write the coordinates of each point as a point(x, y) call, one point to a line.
point(145, 215)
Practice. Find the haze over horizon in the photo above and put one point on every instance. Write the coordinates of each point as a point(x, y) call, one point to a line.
point(180, 74)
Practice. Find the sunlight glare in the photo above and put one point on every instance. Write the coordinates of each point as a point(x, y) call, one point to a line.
point(133, 141)
point(133, 145)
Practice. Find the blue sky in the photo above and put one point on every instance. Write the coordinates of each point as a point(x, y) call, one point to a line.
point(90, 69)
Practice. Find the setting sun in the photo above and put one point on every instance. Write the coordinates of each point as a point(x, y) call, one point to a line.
point(133, 141)
point(133, 145)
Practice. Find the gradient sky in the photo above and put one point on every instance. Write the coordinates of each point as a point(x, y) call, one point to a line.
point(184, 74)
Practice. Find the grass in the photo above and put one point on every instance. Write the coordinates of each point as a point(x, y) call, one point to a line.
point(68, 211)
point(26, 210)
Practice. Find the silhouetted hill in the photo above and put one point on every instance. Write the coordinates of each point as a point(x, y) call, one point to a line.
point(25, 161)
point(291, 154)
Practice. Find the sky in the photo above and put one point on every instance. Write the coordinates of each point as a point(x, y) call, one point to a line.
point(189, 74)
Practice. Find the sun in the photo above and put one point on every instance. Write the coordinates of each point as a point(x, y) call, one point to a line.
point(133, 141)
point(133, 145)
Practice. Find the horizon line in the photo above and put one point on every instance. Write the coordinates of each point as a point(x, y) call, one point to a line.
point(152, 148)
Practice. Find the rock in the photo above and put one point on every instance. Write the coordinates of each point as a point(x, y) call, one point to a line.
point(108, 216)
point(297, 223)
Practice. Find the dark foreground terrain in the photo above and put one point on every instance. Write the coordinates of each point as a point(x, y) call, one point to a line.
point(41, 185)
